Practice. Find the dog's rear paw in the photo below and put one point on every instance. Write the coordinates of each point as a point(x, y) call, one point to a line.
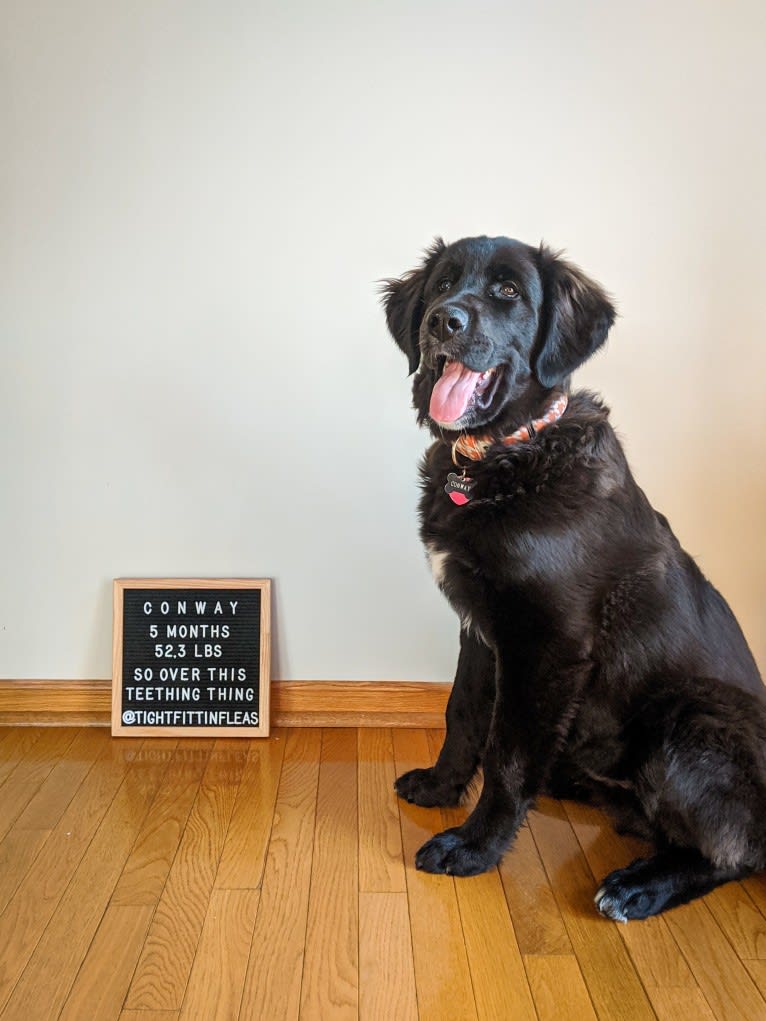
point(423, 787)
point(630, 893)
point(450, 854)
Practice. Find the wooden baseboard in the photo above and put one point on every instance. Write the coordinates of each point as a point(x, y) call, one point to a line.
point(293, 703)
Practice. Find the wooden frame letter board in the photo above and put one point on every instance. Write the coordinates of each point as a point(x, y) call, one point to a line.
point(191, 657)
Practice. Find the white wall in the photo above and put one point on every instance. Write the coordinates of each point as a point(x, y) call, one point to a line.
point(196, 379)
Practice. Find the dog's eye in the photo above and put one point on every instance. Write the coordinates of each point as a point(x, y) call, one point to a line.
point(509, 290)
point(444, 285)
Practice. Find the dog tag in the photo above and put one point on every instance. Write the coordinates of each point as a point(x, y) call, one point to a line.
point(458, 488)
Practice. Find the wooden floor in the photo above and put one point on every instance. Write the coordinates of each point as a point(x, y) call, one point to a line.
point(159, 880)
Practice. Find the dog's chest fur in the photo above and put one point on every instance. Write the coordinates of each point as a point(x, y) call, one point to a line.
point(508, 539)
point(476, 553)
point(545, 522)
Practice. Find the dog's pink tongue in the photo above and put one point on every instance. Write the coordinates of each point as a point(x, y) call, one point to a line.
point(452, 392)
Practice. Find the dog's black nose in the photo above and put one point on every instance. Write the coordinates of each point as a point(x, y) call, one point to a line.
point(448, 321)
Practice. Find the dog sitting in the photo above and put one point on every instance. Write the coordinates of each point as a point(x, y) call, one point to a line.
point(596, 661)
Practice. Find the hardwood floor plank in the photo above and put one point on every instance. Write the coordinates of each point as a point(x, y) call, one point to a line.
point(720, 974)
point(607, 968)
point(534, 912)
point(47, 806)
point(442, 974)
point(756, 890)
point(739, 919)
point(381, 863)
point(48, 977)
point(24, 781)
point(244, 853)
point(330, 986)
point(558, 988)
point(500, 985)
point(151, 857)
point(17, 742)
point(757, 972)
point(149, 1015)
point(18, 852)
point(99, 991)
point(159, 982)
point(273, 980)
point(5, 733)
point(386, 967)
point(218, 973)
point(682, 1004)
point(655, 953)
point(34, 902)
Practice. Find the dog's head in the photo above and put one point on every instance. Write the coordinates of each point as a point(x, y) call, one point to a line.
point(490, 326)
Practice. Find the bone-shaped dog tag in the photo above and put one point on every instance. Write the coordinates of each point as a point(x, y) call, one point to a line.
point(458, 488)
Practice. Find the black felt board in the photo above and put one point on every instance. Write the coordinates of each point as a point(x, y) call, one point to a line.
point(191, 657)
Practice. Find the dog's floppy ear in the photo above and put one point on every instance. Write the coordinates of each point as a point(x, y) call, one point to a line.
point(403, 303)
point(576, 317)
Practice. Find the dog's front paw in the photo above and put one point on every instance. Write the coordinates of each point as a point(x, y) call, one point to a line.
point(423, 787)
point(451, 854)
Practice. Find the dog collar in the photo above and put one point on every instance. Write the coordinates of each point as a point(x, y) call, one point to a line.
point(475, 447)
point(458, 487)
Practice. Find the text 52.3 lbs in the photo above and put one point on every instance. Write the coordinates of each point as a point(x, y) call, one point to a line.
point(200, 650)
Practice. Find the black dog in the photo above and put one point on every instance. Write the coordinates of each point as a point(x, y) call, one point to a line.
point(596, 661)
